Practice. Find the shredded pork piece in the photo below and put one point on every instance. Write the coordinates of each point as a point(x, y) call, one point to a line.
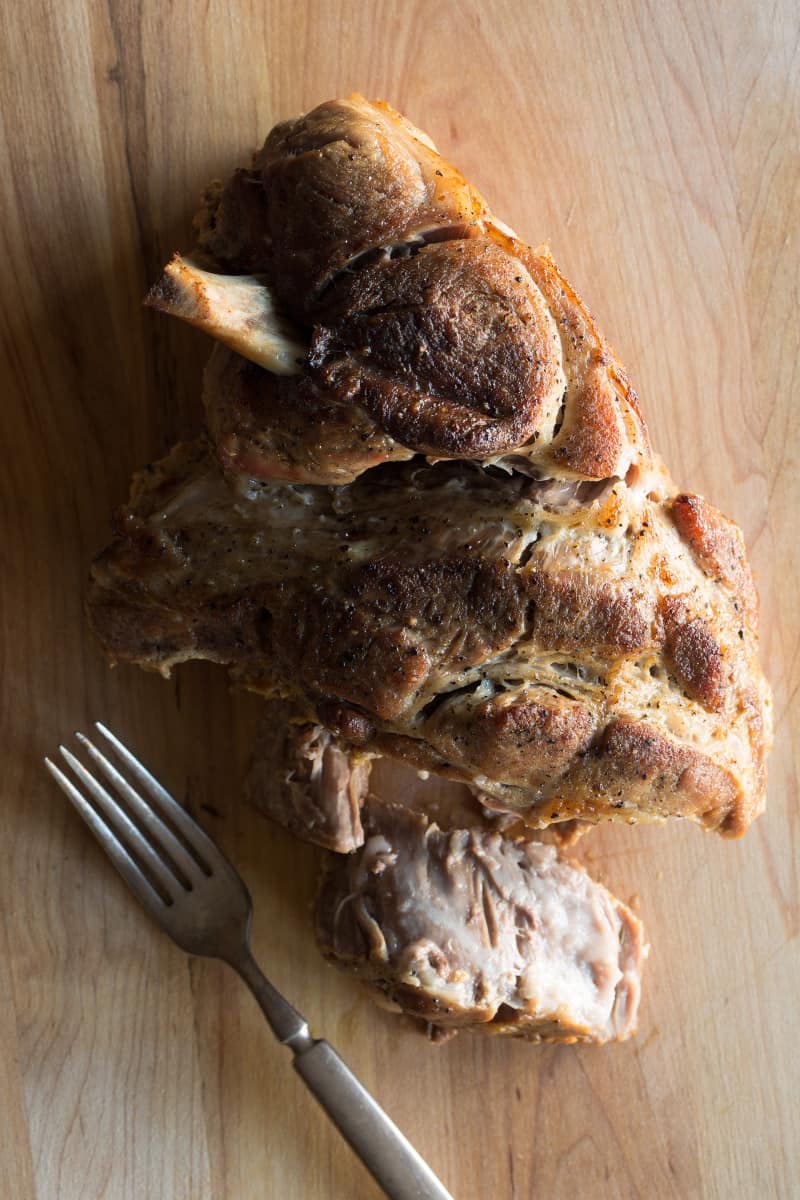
point(469, 929)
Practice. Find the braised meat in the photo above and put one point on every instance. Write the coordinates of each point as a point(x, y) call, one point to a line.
point(443, 907)
point(468, 928)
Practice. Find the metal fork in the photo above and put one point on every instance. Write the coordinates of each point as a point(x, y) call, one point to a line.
point(189, 887)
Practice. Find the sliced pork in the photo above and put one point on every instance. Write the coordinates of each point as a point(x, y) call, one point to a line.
point(303, 779)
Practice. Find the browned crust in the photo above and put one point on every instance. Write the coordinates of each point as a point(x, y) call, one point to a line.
point(350, 180)
point(128, 631)
point(232, 226)
point(630, 772)
point(349, 176)
point(354, 727)
point(156, 636)
point(717, 546)
point(523, 739)
point(601, 408)
point(268, 426)
point(417, 753)
point(385, 639)
point(632, 762)
point(366, 645)
point(694, 654)
point(451, 351)
point(590, 442)
point(572, 611)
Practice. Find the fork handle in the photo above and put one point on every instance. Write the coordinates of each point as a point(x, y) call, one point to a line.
point(385, 1152)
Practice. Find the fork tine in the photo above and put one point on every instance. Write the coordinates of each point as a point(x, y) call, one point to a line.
point(208, 852)
point(161, 834)
point(128, 869)
point(119, 822)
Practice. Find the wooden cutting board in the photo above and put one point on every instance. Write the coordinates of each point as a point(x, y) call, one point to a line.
point(656, 146)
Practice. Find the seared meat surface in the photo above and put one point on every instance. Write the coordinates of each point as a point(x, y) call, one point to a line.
point(348, 176)
point(452, 351)
point(468, 928)
point(565, 652)
point(429, 327)
point(268, 426)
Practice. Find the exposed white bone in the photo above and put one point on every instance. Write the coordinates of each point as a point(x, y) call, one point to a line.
point(236, 309)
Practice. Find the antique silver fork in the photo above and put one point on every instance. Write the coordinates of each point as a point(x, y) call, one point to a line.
point(189, 887)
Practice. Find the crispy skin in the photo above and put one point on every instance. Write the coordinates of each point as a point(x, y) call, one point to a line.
point(632, 760)
point(483, 627)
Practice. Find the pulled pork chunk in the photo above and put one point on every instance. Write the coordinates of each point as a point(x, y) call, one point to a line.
point(468, 928)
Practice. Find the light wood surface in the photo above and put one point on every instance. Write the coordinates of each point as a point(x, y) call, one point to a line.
point(656, 146)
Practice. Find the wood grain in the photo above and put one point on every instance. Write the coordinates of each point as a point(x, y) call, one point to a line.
point(656, 146)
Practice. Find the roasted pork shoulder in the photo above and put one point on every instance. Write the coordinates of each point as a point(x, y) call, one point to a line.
point(426, 522)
